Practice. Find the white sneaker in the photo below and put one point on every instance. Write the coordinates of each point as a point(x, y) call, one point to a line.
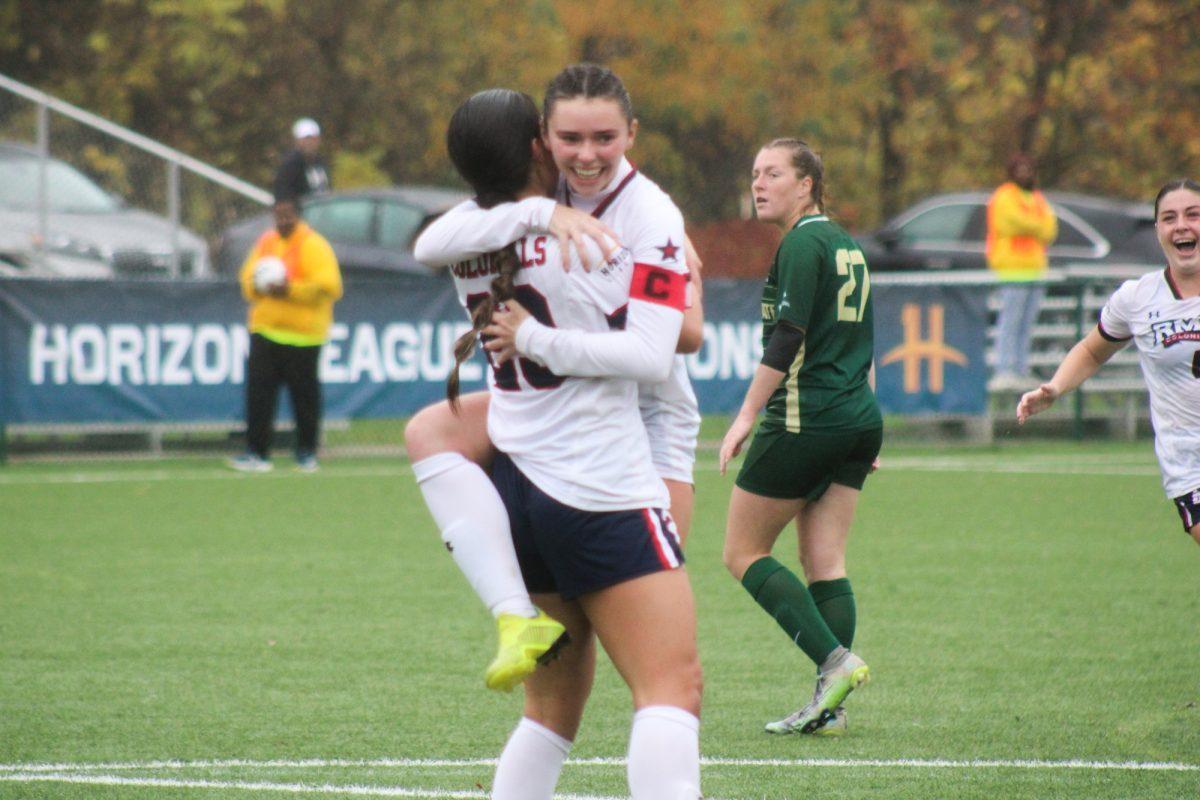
point(307, 463)
point(249, 462)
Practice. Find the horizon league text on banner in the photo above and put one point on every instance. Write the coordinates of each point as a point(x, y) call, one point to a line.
point(174, 351)
point(930, 345)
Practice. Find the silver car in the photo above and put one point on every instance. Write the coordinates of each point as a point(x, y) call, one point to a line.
point(89, 232)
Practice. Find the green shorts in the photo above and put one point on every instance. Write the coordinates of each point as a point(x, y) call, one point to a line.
point(802, 465)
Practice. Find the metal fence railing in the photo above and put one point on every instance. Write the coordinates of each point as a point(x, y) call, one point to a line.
point(81, 196)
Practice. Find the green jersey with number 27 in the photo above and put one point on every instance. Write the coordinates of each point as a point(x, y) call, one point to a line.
point(819, 282)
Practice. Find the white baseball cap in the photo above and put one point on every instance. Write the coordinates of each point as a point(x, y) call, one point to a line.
point(305, 127)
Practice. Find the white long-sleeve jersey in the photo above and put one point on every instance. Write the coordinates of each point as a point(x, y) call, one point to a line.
point(668, 405)
point(1166, 330)
point(579, 439)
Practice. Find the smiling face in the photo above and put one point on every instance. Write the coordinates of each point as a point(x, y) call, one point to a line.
point(781, 196)
point(588, 137)
point(1178, 228)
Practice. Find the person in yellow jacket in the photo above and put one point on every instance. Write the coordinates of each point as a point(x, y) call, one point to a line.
point(291, 281)
point(1020, 225)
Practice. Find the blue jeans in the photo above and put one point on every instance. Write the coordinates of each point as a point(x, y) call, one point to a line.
point(1019, 304)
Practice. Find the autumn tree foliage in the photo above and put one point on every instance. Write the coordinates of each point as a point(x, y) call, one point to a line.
point(902, 99)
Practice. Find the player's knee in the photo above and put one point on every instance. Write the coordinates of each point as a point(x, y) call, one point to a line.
point(737, 560)
point(1195, 531)
point(422, 436)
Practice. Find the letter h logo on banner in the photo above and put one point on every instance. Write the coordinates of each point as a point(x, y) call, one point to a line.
point(914, 350)
point(935, 347)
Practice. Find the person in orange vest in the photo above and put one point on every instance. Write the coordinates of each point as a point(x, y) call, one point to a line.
point(291, 281)
point(1020, 225)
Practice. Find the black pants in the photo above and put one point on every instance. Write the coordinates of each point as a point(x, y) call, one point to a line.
point(269, 366)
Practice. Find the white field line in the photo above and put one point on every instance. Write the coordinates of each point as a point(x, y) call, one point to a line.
point(210, 474)
point(249, 786)
point(264, 786)
point(418, 763)
point(1025, 466)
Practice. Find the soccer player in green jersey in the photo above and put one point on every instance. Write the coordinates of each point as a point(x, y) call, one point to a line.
point(819, 438)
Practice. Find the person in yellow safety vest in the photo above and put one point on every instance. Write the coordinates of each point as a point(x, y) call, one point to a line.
point(1020, 225)
point(291, 281)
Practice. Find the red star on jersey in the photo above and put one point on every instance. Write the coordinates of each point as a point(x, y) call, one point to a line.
point(669, 250)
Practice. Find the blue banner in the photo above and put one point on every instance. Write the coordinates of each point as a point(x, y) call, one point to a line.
point(131, 351)
point(930, 345)
point(175, 351)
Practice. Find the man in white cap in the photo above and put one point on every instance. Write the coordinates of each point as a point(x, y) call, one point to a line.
point(303, 170)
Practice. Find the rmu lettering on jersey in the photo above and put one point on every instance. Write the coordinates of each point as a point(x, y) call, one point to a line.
point(530, 252)
point(1174, 331)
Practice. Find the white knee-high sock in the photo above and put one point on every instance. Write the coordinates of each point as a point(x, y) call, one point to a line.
point(529, 766)
point(664, 754)
point(474, 526)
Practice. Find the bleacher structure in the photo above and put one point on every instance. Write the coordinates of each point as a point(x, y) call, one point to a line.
point(1115, 398)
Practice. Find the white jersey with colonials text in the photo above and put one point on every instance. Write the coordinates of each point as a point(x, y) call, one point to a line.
point(579, 439)
point(669, 408)
point(1166, 330)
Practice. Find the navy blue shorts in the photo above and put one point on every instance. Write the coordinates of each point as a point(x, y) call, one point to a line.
point(1188, 506)
point(573, 552)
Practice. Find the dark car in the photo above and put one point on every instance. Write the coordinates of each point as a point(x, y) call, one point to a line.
point(948, 231)
point(371, 230)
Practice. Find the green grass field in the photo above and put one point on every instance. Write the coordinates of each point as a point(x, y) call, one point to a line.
point(170, 629)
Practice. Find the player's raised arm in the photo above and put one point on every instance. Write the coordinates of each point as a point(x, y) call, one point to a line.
point(1081, 363)
point(467, 231)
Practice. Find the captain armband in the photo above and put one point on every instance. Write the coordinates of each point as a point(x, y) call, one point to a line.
point(785, 342)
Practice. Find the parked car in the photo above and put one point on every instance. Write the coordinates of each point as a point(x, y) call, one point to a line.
point(89, 232)
point(371, 230)
point(948, 231)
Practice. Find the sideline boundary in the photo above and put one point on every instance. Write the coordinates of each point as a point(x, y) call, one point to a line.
point(1078, 465)
point(419, 763)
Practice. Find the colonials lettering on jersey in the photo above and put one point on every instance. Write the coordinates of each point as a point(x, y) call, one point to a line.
point(530, 251)
point(1174, 331)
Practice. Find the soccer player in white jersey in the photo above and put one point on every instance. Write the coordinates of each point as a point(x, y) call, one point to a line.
point(450, 450)
point(597, 549)
point(1160, 312)
point(597, 178)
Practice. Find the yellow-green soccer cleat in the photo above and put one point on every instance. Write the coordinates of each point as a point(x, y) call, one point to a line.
point(524, 643)
point(821, 712)
point(833, 724)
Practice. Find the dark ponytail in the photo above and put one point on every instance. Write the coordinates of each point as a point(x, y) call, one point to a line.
point(505, 263)
point(490, 140)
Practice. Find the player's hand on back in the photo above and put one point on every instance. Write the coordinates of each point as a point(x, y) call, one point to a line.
point(573, 228)
point(502, 331)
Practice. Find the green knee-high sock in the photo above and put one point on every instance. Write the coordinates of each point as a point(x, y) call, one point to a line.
point(786, 599)
point(835, 601)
